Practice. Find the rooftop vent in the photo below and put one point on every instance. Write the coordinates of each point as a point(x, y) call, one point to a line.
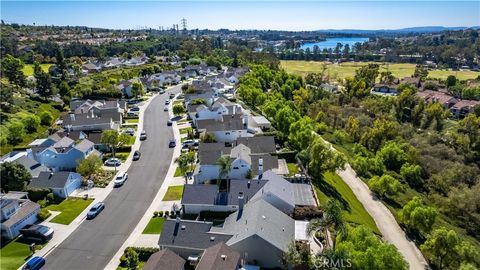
point(212, 238)
point(183, 227)
point(224, 257)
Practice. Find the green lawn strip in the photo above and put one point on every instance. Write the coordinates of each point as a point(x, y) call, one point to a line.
point(174, 193)
point(154, 226)
point(28, 68)
point(292, 169)
point(178, 172)
point(70, 208)
point(131, 121)
point(13, 255)
point(185, 130)
point(139, 266)
point(183, 121)
point(333, 187)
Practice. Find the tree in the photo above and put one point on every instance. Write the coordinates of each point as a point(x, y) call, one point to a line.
point(11, 68)
point(420, 72)
point(137, 89)
point(64, 91)
point(367, 251)
point(435, 111)
point(132, 258)
point(382, 130)
point(444, 249)
point(451, 81)
point(284, 118)
point(292, 257)
point(208, 138)
point(412, 174)
point(44, 82)
point(16, 132)
point(323, 158)
point(46, 118)
point(184, 162)
point(393, 156)
point(178, 109)
point(31, 123)
point(89, 166)
point(332, 220)
point(225, 164)
point(417, 216)
point(385, 185)
point(301, 133)
point(14, 176)
point(114, 139)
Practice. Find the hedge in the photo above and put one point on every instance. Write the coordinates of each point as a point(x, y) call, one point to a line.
point(36, 194)
point(143, 252)
point(43, 214)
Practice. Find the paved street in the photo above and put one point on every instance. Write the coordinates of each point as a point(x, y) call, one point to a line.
point(94, 242)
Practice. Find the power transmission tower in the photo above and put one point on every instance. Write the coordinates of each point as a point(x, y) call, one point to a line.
point(184, 24)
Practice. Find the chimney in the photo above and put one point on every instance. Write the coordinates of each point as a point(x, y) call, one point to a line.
point(260, 168)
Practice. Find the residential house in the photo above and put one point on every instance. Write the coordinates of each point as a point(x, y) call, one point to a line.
point(259, 123)
point(188, 237)
point(385, 89)
point(208, 95)
point(91, 68)
point(414, 81)
point(22, 158)
point(113, 62)
point(63, 154)
point(444, 99)
point(164, 259)
point(125, 87)
point(16, 213)
point(463, 107)
point(227, 129)
point(61, 184)
point(219, 257)
point(219, 108)
point(91, 121)
point(259, 232)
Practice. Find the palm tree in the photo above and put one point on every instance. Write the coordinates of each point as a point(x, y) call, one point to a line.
point(185, 163)
point(332, 219)
point(225, 163)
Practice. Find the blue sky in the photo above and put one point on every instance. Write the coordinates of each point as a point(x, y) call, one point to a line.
point(278, 15)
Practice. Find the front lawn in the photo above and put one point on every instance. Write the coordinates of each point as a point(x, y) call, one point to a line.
point(154, 226)
point(131, 121)
point(292, 169)
point(178, 172)
point(13, 255)
point(70, 208)
point(186, 130)
point(174, 193)
point(333, 187)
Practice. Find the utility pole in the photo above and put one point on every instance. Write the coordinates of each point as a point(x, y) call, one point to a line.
point(184, 24)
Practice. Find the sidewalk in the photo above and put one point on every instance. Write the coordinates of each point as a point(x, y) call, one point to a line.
point(157, 204)
point(99, 194)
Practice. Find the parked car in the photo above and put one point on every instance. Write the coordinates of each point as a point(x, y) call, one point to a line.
point(95, 210)
point(132, 101)
point(135, 109)
point(172, 95)
point(130, 131)
point(169, 123)
point(120, 179)
point(172, 143)
point(132, 113)
point(37, 233)
point(113, 162)
point(34, 263)
point(165, 109)
point(189, 143)
point(162, 91)
point(167, 102)
point(136, 155)
point(180, 96)
point(143, 135)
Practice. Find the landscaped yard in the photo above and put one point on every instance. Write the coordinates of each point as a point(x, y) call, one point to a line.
point(174, 193)
point(102, 178)
point(154, 226)
point(333, 187)
point(178, 172)
point(185, 130)
point(292, 169)
point(70, 208)
point(13, 255)
point(139, 266)
point(347, 69)
point(28, 68)
point(131, 120)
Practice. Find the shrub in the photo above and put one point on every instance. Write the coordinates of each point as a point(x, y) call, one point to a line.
point(46, 118)
point(144, 253)
point(178, 109)
point(155, 214)
point(50, 197)
point(31, 123)
point(43, 214)
point(36, 194)
point(160, 213)
point(167, 213)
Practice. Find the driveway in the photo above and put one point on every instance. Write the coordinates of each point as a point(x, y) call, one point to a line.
point(95, 242)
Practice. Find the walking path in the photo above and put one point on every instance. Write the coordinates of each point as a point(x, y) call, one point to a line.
point(99, 194)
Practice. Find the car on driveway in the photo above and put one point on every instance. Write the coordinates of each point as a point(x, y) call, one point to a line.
point(189, 143)
point(143, 135)
point(172, 143)
point(37, 233)
point(34, 263)
point(132, 114)
point(95, 210)
point(136, 155)
point(130, 131)
point(169, 122)
point(113, 162)
point(135, 109)
point(120, 179)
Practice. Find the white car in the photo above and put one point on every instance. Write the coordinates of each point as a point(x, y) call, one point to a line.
point(130, 131)
point(120, 179)
point(113, 162)
point(165, 109)
point(143, 135)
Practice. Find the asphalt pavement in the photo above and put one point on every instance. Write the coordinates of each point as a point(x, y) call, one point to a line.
point(94, 242)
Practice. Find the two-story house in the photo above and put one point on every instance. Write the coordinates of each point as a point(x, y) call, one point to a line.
point(16, 213)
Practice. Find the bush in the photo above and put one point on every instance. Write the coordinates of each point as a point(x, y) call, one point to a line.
point(155, 214)
point(50, 197)
point(167, 213)
point(36, 194)
point(144, 253)
point(43, 214)
point(46, 118)
point(178, 109)
point(160, 213)
point(31, 123)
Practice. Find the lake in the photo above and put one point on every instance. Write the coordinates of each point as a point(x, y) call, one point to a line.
point(332, 42)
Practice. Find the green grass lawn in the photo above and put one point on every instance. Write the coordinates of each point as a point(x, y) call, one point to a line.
point(333, 187)
point(174, 193)
point(292, 169)
point(185, 130)
point(347, 69)
point(154, 226)
point(70, 208)
point(13, 255)
point(28, 68)
point(131, 121)
point(183, 121)
point(178, 172)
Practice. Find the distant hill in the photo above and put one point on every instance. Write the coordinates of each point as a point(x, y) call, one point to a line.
point(419, 29)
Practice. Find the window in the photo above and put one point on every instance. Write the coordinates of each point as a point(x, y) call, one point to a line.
point(235, 168)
